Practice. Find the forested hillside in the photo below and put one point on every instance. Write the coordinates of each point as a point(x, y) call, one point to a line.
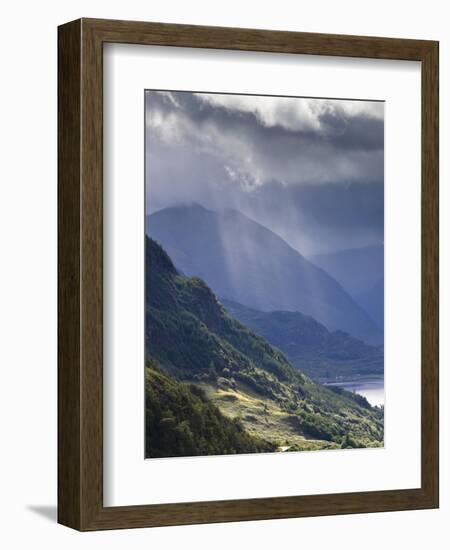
point(180, 421)
point(195, 341)
point(310, 346)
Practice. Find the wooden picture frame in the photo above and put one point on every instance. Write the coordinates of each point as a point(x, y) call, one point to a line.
point(80, 270)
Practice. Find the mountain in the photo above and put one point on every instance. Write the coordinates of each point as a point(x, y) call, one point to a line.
point(361, 272)
point(372, 300)
point(309, 345)
point(245, 262)
point(356, 269)
point(197, 343)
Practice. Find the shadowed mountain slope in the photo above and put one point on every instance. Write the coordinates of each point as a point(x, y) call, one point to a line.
point(361, 272)
point(310, 346)
point(245, 262)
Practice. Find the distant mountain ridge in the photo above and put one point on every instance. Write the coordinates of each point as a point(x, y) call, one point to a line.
point(356, 269)
point(243, 261)
point(310, 346)
point(372, 300)
point(361, 272)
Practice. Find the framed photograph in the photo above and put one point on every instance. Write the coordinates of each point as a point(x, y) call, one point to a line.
point(248, 274)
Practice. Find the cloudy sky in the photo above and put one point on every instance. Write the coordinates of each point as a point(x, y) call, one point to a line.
point(309, 169)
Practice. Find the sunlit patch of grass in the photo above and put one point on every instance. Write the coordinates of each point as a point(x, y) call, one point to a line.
point(264, 418)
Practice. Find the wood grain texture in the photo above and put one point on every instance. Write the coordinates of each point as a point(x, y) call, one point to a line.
point(430, 273)
point(69, 247)
point(80, 367)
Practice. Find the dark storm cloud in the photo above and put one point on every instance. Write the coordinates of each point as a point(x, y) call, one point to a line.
point(360, 133)
point(311, 170)
point(323, 218)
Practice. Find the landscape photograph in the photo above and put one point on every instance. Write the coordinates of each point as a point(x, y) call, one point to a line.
point(264, 274)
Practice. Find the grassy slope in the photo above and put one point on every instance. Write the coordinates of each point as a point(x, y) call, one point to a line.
point(181, 421)
point(196, 340)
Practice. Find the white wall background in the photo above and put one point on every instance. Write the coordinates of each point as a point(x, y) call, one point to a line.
point(28, 273)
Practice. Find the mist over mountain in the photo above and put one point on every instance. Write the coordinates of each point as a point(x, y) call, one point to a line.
point(309, 169)
point(243, 261)
point(372, 300)
point(361, 272)
point(356, 269)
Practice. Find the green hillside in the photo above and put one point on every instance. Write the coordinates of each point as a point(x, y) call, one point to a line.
point(310, 346)
point(191, 335)
point(180, 421)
